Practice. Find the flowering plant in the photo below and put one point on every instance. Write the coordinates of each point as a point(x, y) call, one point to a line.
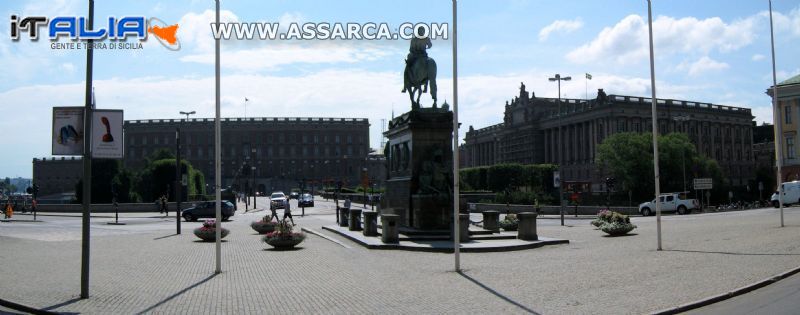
point(284, 231)
point(510, 222)
point(613, 223)
point(265, 225)
point(207, 232)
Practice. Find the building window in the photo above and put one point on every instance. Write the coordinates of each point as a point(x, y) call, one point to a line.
point(200, 152)
point(144, 140)
point(337, 139)
point(788, 114)
point(621, 126)
point(790, 147)
point(349, 139)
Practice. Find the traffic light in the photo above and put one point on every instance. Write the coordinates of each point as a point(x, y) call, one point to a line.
point(35, 190)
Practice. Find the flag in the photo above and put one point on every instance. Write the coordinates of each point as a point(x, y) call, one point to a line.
point(246, 100)
point(94, 105)
point(589, 76)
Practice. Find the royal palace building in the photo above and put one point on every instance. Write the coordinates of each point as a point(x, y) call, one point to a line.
point(277, 153)
point(529, 133)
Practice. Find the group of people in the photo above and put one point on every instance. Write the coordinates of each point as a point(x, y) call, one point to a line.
point(11, 205)
point(287, 212)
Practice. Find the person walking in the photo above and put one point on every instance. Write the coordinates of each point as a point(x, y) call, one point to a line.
point(287, 212)
point(9, 211)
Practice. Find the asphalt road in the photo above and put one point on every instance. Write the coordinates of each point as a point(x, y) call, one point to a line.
point(782, 297)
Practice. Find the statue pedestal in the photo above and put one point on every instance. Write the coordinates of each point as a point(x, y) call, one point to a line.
point(419, 154)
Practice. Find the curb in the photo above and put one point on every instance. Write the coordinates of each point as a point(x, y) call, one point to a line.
point(310, 231)
point(24, 308)
point(724, 296)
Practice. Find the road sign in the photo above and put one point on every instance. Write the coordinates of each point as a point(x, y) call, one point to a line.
point(703, 183)
point(67, 130)
point(107, 134)
point(556, 179)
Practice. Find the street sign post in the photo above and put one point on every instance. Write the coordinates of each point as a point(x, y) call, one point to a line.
point(703, 183)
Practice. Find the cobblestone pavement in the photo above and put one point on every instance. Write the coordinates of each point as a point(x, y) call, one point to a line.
point(151, 270)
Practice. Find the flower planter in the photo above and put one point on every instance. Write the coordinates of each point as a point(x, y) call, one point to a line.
point(263, 227)
point(284, 242)
point(509, 225)
point(617, 229)
point(209, 234)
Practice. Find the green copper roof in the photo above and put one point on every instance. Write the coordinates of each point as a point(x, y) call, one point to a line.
point(792, 80)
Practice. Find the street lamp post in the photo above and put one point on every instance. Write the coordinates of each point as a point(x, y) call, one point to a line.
point(558, 79)
point(253, 170)
point(683, 152)
point(187, 114)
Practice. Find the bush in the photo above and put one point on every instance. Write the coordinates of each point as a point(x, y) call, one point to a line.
point(613, 223)
point(510, 222)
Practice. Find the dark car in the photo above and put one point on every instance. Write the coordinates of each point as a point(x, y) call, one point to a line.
point(306, 200)
point(294, 195)
point(208, 209)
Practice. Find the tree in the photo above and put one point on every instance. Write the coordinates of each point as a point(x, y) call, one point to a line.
point(104, 173)
point(629, 158)
point(158, 178)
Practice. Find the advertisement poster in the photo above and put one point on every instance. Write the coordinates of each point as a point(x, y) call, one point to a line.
point(68, 130)
point(107, 134)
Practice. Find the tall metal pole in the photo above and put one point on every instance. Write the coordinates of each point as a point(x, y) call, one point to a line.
point(456, 228)
point(560, 158)
point(87, 164)
point(777, 121)
point(655, 122)
point(217, 152)
point(178, 179)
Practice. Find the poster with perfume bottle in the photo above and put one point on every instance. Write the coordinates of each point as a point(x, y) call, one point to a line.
point(107, 134)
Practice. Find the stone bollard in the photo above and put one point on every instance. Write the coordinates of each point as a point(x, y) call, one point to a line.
point(370, 223)
point(343, 212)
point(463, 228)
point(355, 220)
point(389, 232)
point(491, 220)
point(527, 226)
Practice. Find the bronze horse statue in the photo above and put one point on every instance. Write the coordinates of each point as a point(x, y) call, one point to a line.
point(417, 77)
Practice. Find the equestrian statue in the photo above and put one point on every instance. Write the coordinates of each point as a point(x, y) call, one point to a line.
point(420, 70)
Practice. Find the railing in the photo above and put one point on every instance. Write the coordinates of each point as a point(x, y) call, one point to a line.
point(272, 119)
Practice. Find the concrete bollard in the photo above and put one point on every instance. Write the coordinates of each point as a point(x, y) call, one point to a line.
point(355, 220)
point(370, 223)
point(463, 228)
point(527, 226)
point(389, 232)
point(491, 221)
point(343, 212)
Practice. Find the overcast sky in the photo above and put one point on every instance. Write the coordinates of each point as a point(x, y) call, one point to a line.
point(709, 51)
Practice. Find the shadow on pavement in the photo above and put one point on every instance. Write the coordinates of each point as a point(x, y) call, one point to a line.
point(177, 294)
point(498, 294)
point(65, 303)
point(728, 253)
point(165, 236)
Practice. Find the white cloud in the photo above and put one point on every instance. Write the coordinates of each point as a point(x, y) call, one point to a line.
point(789, 23)
point(272, 57)
point(758, 57)
point(627, 41)
point(67, 66)
point(560, 26)
point(194, 29)
point(704, 64)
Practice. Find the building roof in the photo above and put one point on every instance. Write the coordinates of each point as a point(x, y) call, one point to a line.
point(792, 80)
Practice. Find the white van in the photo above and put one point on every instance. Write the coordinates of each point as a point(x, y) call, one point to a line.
point(791, 194)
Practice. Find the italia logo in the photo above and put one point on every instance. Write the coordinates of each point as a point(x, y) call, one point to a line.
point(76, 28)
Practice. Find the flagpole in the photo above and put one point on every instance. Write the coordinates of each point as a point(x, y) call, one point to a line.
point(586, 92)
point(217, 154)
point(776, 119)
point(655, 122)
point(456, 227)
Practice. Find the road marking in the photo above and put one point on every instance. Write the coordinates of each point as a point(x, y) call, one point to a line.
point(325, 237)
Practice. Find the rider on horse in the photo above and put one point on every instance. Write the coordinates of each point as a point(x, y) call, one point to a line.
point(417, 51)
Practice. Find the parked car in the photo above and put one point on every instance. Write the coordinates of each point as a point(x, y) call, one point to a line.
point(306, 200)
point(277, 200)
point(294, 195)
point(208, 209)
point(671, 202)
point(791, 194)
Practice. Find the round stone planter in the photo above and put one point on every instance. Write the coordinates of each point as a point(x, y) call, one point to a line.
point(617, 229)
point(263, 227)
point(209, 235)
point(509, 226)
point(284, 242)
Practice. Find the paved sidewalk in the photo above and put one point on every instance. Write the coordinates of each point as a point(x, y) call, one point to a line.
point(153, 271)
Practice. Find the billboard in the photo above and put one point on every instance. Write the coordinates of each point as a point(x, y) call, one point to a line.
point(107, 134)
point(68, 130)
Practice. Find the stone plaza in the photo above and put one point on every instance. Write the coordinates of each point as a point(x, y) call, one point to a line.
point(143, 267)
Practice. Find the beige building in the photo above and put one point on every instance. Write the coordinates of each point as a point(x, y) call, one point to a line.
point(789, 114)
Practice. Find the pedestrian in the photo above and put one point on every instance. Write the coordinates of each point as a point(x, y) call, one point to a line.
point(9, 211)
point(287, 212)
point(274, 209)
point(163, 207)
